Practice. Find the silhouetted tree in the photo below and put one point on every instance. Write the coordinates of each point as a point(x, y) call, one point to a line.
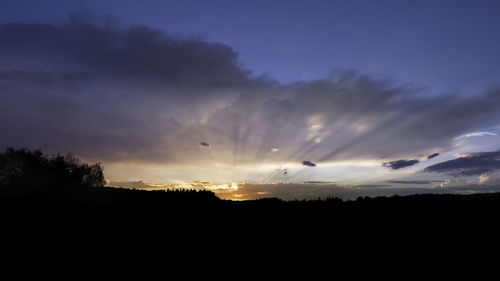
point(25, 168)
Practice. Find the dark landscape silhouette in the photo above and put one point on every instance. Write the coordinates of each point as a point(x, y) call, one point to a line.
point(61, 188)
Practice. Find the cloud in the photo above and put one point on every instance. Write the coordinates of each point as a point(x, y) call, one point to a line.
point(475, 134)
point(483, 178)
point(136, 185)
point(413, 181)
point(469, 164)
point(432, 155)
point(467, 186)
point(308, 163)
point(204, 144)
point(139, 52)
point(490, 178)
point(318, 182)
point(372, 186)
point(141, 95)
point(398, 164)
point(292, 191)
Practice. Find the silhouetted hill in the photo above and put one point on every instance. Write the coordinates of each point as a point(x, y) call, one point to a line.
point(98, 202)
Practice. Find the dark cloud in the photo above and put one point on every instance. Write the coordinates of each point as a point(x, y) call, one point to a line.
point(468, 165)
point(398, 164)
point(432, 155)
point(83, 87)
point(308, 163)
point(138, 51)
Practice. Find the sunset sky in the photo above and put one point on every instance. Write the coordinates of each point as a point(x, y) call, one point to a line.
point(288, 99)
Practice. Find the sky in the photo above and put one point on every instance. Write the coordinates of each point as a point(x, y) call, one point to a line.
point(288, 99)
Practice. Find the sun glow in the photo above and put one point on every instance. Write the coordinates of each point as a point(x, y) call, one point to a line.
point(228, 187)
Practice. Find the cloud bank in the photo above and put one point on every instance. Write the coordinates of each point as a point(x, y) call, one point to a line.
point(468, 165)
point(139, 94)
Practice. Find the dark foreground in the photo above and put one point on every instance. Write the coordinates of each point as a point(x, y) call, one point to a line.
point(115, 205)
point(191, 225)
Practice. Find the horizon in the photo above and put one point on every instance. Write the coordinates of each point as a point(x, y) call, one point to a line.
point(287, 99)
